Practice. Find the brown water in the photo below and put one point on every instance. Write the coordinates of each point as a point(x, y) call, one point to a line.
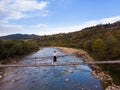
point(49, 78)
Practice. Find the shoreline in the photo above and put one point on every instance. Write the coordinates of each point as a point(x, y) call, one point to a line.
point(97, 72)
point(11, 60)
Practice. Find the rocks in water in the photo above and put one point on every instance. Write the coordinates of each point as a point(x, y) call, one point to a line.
point(21, 62)
point(44, 70)
point(82, 88)
point(70, 71)
point(77, 68)
point(67, 80)
point(96, 86)
point(103, 76)
point(63, 72)
point(106, 78)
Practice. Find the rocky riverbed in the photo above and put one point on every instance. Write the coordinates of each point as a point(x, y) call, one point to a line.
point(96, 70)
point(73, 77)
point(105, 78)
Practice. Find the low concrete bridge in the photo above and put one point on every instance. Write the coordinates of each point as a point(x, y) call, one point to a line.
point(59, 64)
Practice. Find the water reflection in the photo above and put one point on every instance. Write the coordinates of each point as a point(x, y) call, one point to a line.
point(50, 78)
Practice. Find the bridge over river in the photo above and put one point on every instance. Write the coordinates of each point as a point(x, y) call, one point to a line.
point(35, 72)
point(59, 64)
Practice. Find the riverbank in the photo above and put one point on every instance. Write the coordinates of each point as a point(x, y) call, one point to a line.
point(8, 61)
point(45, 78)
point(97, 71)
point(11, 60)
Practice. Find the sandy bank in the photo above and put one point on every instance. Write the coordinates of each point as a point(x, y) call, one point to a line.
point(78, 52)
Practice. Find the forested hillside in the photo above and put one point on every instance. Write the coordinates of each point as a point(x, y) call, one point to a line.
point(102, 42)
point(19, 36)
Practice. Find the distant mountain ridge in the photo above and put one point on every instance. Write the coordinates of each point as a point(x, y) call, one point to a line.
point(20, 36)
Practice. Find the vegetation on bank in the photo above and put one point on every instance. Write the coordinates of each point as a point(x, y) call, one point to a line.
point(16, 48)
point(102, 42)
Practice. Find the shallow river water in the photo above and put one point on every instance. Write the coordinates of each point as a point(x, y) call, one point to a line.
point(77, 77)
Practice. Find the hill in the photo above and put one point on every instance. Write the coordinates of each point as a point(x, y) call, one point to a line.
point(20, 36)
point(102, 42)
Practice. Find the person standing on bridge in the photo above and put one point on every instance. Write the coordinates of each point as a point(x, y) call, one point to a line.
point(54, 57)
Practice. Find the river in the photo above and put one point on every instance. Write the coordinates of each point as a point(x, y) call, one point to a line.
point(77, 77)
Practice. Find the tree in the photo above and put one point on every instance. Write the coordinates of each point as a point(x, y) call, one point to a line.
point(98, 48)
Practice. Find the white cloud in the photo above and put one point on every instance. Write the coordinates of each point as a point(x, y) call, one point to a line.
point(43, 29)
point(39, 26)
point(54, 30)
point(16, 15)
point(41, 13)
point(8, 27)
point(27, 5)
point(110, 20)
point(17, 9)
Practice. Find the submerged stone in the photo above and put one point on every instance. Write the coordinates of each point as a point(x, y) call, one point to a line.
point(67, 80)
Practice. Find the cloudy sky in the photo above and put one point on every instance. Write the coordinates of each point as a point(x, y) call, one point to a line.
point(45, 17)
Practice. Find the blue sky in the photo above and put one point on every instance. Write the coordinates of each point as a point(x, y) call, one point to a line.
point(45, 17)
